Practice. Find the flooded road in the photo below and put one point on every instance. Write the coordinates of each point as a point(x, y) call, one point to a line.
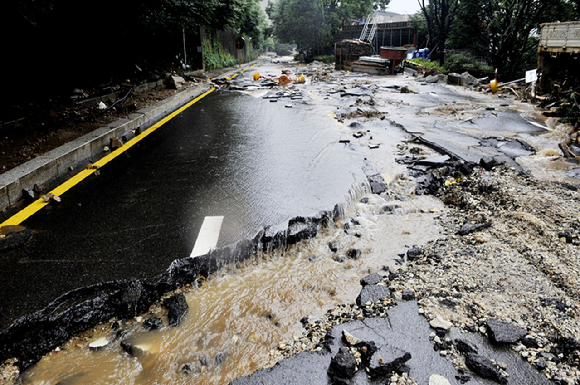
point(245, 313)
point(239, 318)
point(254, 163)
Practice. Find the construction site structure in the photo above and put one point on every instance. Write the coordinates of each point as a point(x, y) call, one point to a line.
point(559, 55)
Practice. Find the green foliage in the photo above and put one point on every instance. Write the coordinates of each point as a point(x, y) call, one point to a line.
point(314, 24)
point(283, 49)
point(213, 57)
point(501, 32)
point(571, 109)
point(439, 16)
point(325, 58)
point(429, 64)
point(462, 61)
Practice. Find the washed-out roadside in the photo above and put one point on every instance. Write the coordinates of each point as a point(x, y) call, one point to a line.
point(441, 273)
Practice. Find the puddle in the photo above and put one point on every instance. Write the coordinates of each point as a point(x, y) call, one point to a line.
point(245, 313)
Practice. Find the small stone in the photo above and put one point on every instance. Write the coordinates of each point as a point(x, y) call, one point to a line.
point(99, 343)
point(153, 323)
point(439, 323)
point(352, 340)
point(408, 294)
point(221, 357)
point(371, 279)
point(414, 253)
point(436, 379)
point(189, 367)
point(353, 254)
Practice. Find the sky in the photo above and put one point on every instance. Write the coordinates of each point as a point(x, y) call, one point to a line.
point(397, 6)
point(403, 6)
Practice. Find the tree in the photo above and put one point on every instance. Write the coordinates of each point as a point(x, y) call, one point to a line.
point(314, 24)
point(439, 15)
point(506, 32)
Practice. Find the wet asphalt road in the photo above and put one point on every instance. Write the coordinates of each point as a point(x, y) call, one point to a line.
point(254, 162)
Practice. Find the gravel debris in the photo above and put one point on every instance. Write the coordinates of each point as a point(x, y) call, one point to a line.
point(522, 269)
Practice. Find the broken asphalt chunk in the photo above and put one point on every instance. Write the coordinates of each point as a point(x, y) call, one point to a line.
point(371, 279)
point(484, 367)
point(177, 308)
point(502, 332)
point(14, 240)
point(372, 294)
point(377, 184)
point(468, 229)
point(342, 367)
point(387, 360)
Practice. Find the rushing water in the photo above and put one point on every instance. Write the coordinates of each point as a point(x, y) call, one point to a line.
point(244, 313)
point(249, 310)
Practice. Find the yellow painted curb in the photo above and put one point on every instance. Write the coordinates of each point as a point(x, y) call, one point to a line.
point(35, 206)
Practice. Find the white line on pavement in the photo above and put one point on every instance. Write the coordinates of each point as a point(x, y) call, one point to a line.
point(208, 236)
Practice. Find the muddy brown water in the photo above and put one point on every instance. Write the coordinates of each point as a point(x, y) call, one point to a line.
point(247, 312)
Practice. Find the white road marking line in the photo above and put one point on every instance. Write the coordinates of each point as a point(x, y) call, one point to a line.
point(208, 236)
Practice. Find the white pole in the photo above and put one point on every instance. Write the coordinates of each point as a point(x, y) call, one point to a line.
point(184, 51)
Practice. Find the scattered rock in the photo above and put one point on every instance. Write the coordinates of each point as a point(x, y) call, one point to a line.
point(373, 294)
point(51, 198)
point(440, 323)
point(342, 367)
point(484, 367)
point(371, 279)
point(134, 350)
point(153, 323)
point(176, 82)
point(436, 379)
point(488, 163)
point(408, 294)
point(414, 253)
point(99, 343)
point(353, 254)
point(220, 358)
point(468, 229)
point(116, 143)
point(502, 332)
point(190, 367)
point(350, 339)
point(177, 308)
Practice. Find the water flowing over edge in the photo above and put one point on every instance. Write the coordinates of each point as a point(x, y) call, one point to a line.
point(30, 337)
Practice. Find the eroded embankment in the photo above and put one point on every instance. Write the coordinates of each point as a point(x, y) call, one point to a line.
point(29, 338)
point(506, 270)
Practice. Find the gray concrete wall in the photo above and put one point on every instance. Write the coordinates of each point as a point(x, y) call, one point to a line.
point(46, 169)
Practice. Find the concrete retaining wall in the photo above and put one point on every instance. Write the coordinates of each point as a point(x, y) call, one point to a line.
point(46, 169)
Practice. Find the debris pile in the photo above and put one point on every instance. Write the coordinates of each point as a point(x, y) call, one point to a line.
point(349, 51)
